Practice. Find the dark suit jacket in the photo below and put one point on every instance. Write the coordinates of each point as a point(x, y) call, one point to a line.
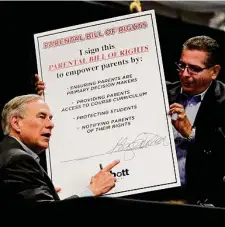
point(205, 164)
point(22, 179)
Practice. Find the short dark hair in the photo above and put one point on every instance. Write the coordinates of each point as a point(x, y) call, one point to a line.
point(206, 44)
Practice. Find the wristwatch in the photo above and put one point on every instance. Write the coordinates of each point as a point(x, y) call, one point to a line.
point(192, 135)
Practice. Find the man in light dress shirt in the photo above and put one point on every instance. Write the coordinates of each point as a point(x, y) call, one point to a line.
point(27, 125)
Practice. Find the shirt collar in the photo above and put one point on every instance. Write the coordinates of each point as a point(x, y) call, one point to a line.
point(27, 149)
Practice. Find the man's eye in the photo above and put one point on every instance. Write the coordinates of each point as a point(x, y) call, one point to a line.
point(181, 65)
point(42, 116)
point(195, 68)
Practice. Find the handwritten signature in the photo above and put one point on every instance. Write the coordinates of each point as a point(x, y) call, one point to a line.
point(143, 140)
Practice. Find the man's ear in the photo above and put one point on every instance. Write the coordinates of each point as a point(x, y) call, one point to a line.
point(215, 71)
point(14, 122)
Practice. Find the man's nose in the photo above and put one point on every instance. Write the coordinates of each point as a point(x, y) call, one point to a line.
point(50, 124)
point(185, 72)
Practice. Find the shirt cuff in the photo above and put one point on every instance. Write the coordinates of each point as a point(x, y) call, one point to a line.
point(85, 193)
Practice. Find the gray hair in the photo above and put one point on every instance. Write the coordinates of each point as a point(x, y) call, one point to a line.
point(15, 107)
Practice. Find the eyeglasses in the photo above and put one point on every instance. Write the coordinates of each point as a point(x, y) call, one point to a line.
point(192, 69)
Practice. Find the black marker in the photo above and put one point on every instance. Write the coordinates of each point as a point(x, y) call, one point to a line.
point(101, 167)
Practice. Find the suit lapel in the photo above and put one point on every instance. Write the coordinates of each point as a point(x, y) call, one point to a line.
point(207, 107)
point(56, 197)
point(174, 94)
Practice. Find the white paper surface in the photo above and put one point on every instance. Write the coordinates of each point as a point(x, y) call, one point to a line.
point(106, 89)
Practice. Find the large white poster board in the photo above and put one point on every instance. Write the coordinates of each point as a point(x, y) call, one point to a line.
point(106, 89)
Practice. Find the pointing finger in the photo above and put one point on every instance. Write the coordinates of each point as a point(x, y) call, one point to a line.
point(111, 165)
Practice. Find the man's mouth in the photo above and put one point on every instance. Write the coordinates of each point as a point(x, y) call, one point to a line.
point(188, 84)
point(46, 135)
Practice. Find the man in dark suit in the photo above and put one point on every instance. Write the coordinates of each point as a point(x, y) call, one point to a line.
point(197, 107)
point(27, 126)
